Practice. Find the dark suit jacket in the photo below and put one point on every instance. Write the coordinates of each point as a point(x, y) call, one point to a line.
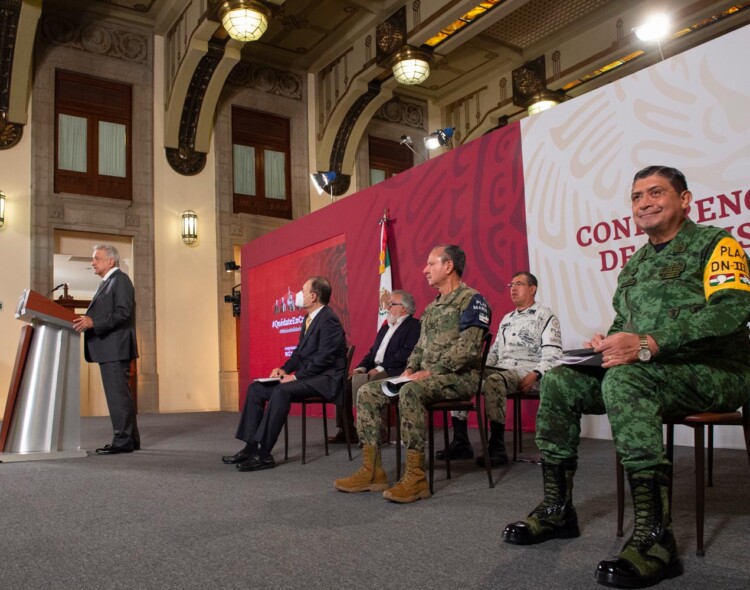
point(398, 350)
point(320, 357)
point(113, 313)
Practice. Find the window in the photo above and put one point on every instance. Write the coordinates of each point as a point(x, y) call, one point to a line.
point(387, 158)
point(260, 163)
point(92, 132)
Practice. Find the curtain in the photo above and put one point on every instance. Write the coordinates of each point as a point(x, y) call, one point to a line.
point(112, 146)
point(71, 147)
point(275, 175)
point(244, 169)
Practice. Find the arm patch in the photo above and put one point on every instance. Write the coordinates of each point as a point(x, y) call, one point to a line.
point(476, 315)
point(726, 269)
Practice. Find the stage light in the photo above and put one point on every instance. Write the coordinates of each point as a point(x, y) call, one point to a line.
point(189, 227)
point(411, 65)
point(655, 28)
point(231, 266)
point(236, 300)
point(437, 138)
point(323, 180)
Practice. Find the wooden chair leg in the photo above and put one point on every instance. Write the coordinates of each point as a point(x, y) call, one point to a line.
point(347, 436)
point(445, 437)
point(431, 435)
point(700, 489)
point(485, 449)
point(398, 444)
point(710, 456)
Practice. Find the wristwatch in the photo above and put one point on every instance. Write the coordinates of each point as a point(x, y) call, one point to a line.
point(644, 354)
point(538, 374)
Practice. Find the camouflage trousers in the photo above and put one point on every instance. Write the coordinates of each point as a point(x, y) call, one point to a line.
point(411, 401)
point(635, 398)
point(496, 386)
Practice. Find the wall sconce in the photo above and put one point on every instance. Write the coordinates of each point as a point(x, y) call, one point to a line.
point(189, 227)
point(244, 20)
point(2, 208)
point(231, 266)
point(530, 87)
point(411, 65)
point(437, 138)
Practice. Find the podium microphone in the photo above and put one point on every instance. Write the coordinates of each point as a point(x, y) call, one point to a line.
point(56, 288)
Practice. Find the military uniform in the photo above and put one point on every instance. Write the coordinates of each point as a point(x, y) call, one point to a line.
point(450, 347)
point(693, 298)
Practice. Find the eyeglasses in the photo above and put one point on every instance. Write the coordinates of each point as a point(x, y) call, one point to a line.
point(392, 304)
point(517, 284)
point(654, 192)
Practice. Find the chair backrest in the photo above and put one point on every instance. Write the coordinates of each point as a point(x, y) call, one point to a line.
point(349, 357)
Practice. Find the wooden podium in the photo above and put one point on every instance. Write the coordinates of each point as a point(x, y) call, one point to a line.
point(42, 417)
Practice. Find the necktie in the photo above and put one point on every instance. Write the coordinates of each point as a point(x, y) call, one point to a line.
point(308, 319)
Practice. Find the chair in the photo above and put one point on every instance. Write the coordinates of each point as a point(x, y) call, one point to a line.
point(446, 406)
point(518, 397)
point(319, 399)
point(698, 422)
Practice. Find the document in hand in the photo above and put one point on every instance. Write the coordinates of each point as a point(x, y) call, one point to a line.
point(268, 379)
point(392, 386)
point(582, 356)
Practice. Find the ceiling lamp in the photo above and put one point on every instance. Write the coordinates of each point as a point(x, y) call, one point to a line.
point(437, 138)
point(542, 101)
point(411, 65)
point(654, 29)
point(244, 20)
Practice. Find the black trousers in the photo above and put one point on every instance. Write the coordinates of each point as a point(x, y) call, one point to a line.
point(116, 380)
point(266, 408)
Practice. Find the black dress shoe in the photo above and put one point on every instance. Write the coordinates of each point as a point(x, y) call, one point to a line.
point(257, 463)
point(234, 459)
point(110, 450)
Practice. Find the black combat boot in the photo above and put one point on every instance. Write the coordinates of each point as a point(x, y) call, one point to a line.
point(555, 517)
point(460, 447)
point(495, 447)
point(650, 555)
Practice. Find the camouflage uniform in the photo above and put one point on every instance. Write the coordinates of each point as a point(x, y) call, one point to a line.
point(693, 298)
point(450, 347)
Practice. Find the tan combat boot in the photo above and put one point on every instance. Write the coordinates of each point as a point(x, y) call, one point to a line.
point(413, 485)
point(369, 478)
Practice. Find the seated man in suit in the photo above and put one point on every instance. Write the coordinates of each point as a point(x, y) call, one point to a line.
point(317, 367)
point(387, 357)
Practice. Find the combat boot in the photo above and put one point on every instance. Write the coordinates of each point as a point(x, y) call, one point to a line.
point(555, 517)
point(495, 447)
point(413, 485)
point(369, 478)
point(650, 555)
point(460, 447)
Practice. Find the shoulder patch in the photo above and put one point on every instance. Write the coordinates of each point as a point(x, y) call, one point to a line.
point(477, 314)
point(726, 269)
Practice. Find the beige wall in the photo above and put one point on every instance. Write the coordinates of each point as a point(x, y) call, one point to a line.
point(187, 340)
point(14, 250)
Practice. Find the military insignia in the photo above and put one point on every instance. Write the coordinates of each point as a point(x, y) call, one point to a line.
point(674, 312)
point(726, 268)
point(672, 271)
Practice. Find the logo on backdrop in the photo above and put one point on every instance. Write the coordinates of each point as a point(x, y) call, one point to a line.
point(720, 210)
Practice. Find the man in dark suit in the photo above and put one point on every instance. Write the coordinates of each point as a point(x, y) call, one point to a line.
point(317, 367)
point(109, 339)
point(387, 357)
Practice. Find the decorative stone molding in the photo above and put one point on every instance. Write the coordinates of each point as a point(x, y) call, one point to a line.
point(98, 38)
point(401, 112)
point(266, 79)
point(132, 221)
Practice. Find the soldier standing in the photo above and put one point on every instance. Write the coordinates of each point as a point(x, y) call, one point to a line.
point(678, 345)
point(444, 364)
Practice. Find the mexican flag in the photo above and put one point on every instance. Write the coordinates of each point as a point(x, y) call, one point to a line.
point(384, 269)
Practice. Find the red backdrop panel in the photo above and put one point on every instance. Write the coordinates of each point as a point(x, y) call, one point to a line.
point(472, 196)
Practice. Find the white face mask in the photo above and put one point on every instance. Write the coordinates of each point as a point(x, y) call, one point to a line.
point(299, 300)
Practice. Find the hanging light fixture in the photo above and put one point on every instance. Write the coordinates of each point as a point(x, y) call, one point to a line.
point(2, 208)
point(189, 227)
point(411, 65)
point(542, 101)
point(244, 20)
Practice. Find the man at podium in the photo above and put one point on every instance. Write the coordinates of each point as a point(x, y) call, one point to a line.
point(109, 339)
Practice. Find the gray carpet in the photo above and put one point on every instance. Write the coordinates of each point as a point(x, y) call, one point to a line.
point(173, 516)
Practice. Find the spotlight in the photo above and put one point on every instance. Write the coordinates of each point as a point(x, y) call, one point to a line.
point(655, 28)
point(231, 266)
point(438, 138)
point(323, 180)
point(236, 300)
